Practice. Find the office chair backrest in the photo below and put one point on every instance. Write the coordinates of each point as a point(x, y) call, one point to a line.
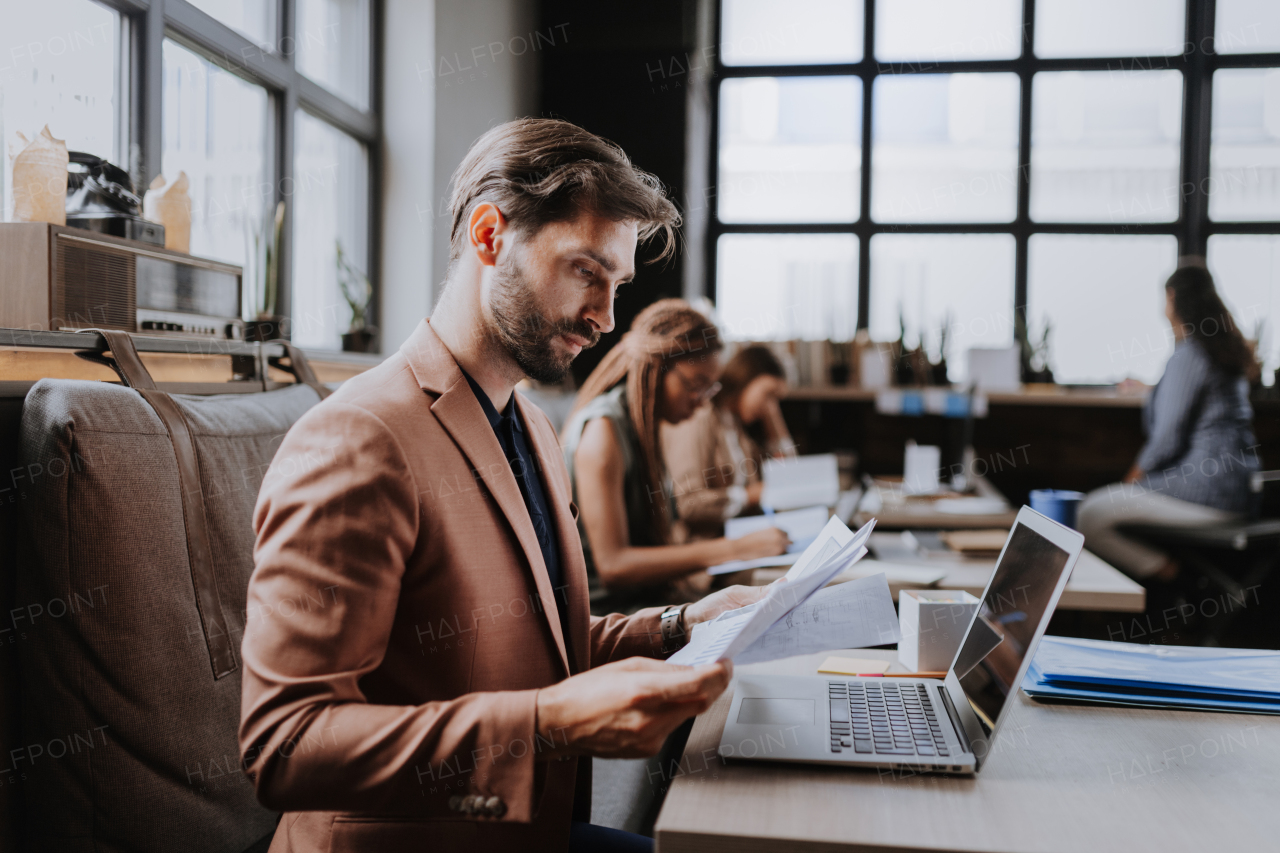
point(129, 668)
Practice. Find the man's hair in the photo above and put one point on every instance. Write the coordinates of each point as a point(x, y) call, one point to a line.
point(537, 171)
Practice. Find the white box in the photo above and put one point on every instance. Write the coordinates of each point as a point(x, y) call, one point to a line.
point(996, 369)
point(932, 621)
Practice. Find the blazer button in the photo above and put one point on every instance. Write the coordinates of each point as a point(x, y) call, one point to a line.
point(495, 806)
point(455, 803)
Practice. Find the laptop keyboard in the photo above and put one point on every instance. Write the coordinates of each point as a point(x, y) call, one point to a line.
point(884, 719)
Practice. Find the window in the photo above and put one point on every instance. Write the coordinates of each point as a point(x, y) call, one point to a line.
point(254, 19)
point(1244, 176)
point(962, 283)
point(1105, 146)
point(331, 178)
point(1247, 270)
point(261, 102)
point(1102, 297)
point(67, 79)
point(333, 46)
point(945, 148)
point(215, 130)
point(789, 286)
point(991, 161)
point(786, 155)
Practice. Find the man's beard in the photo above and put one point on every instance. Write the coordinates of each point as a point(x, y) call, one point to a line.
point(526, 333)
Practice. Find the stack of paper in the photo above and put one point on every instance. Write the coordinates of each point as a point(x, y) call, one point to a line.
point(1209, 679)
point(795, 618)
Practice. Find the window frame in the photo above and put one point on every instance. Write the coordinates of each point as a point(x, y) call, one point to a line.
point(1192, 228)
point(145, 26)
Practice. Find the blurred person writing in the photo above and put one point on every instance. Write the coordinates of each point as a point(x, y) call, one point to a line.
point(662, 370)
point(716, 457)
point(1200, 452)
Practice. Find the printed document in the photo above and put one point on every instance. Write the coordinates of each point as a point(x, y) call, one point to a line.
point(733, 632)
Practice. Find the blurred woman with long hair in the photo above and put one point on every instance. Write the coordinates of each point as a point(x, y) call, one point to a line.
point(716, 457)
point(662, 370)
point(1200, 454)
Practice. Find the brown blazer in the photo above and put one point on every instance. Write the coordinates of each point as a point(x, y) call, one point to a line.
point(401, 620)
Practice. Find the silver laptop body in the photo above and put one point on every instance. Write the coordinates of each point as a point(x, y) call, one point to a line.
point(917, 724)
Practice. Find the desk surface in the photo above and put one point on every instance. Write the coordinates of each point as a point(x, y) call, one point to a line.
point(1061, 778)
point(1094, 585)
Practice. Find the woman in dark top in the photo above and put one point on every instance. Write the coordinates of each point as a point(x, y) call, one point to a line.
point(1200, 453)
point(662, 370)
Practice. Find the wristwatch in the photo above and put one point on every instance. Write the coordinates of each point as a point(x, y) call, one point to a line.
point(673, 633)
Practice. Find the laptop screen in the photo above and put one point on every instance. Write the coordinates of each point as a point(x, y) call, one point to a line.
point(988, 662)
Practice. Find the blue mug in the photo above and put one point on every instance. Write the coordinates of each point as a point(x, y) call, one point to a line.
point(1057, 504)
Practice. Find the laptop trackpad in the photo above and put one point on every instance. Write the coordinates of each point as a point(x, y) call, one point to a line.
point(771, 711)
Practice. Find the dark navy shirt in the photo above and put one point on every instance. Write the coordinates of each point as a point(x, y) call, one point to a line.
point(524, 464)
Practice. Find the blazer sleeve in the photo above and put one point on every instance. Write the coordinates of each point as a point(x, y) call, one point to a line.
point(1174, 405)
point(615, 637)
point(337, 519)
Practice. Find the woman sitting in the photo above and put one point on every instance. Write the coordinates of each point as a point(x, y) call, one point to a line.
point(661, 370)
point(716, 456)
point(1200, 453)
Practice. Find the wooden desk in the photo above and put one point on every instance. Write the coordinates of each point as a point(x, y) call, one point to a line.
point(1060, 779)
point(896, 513)
point(1094, 584)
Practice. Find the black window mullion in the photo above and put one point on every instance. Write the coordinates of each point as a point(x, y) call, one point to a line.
point(151, 102)
point(1197, 107)
point(863, 229)
point(1022, 220)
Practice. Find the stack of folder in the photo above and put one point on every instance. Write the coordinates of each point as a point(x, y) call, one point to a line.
point(1206, 679)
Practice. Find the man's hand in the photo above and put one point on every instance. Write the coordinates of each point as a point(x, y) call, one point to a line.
point(729, 598)
point(625, 709)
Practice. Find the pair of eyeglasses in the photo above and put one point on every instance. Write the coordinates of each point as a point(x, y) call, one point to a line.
point(703, 393)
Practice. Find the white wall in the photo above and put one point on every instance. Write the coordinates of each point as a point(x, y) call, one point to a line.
point(408, 150)
point(479, 82)
point(451, 71)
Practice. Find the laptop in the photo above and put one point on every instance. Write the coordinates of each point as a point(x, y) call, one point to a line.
point(917, 724)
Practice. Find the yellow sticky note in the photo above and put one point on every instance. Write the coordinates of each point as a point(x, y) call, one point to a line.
point(853, 666)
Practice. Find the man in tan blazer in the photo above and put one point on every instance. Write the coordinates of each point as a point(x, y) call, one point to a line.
point(438, 683)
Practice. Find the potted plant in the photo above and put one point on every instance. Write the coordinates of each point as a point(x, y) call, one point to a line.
point(262, 280)
point(1035, 355)
point(357, 291)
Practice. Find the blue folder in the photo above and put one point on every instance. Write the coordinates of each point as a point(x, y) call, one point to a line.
point(1239, 680)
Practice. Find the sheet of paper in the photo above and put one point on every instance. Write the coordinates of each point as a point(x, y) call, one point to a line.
point(853, 666)
point(851, 615)
point(758, 563)
point(896, 574)
point(801, 481)
point(836, 549)
point(802, 526)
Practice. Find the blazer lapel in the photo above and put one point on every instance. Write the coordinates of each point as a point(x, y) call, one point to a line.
point(572, 565)
point(460, 414)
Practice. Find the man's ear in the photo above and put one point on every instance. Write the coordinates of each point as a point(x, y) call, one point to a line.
point(486, 231)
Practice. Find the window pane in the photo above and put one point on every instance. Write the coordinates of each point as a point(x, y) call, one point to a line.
point(1069, 28)
point(330, 206)
point(1244, 159)
point(948, 30)
point(1247, 271)
point(254, 19)
point(333, 46)
point(790, 149)
point(59, 61)
point(1104, 299)
point(215, 128)
point(766, 32)
point(945, 148)
point(1104, 146)
point(961, 281)
point(778, 287)
point(1247, 26)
